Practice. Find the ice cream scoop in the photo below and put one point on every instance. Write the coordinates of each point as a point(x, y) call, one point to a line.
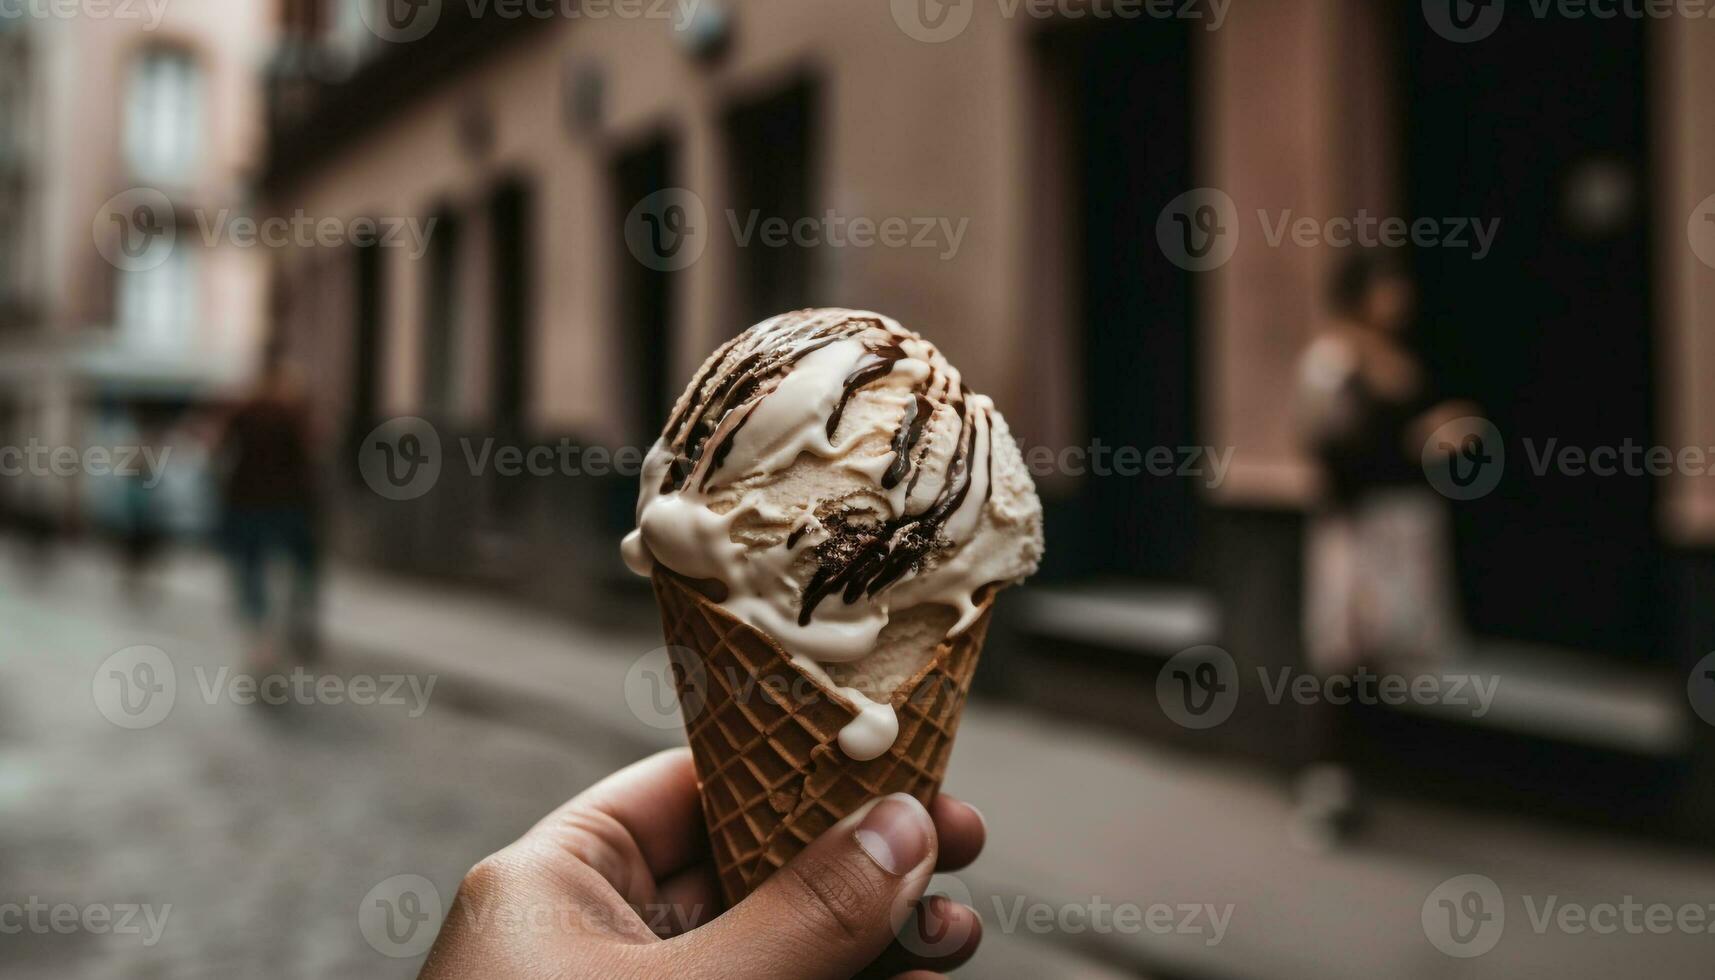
point(831, 479)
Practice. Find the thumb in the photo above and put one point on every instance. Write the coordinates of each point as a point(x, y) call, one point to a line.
point(834, 908)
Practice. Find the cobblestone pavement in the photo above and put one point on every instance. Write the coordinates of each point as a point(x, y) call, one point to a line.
point(256, 831)
point(251, 833)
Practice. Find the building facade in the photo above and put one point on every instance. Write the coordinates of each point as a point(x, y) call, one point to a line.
point(127, 146)
point(548, 160)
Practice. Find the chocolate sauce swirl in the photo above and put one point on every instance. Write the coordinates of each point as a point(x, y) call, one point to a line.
point(856, 558)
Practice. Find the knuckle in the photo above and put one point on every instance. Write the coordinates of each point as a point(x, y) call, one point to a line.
point(835, 893)
point(488, 878)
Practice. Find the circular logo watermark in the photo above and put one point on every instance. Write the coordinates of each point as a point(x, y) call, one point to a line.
point(933, 21)
point(667, 688)
point(1199, 229)
point(400, 21)
point(136, 687)
point(1199, 688)
point(930, 935)
point(668, 230)
point(1465, 916)
point(401, 458)
point(1700, 230)
point(400, 917)
point(135, 230)
point(1700, 688)
point(1465, 458)
point(1464, 21)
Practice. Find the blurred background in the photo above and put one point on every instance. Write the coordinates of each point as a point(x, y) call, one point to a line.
point(1360, 350)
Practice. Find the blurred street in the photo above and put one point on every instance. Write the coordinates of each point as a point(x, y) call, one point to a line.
point(325, 802)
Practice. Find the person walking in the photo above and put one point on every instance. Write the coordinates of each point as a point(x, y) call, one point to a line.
point(270, 507)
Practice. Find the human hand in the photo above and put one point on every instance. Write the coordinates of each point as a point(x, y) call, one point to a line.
point(617, 883)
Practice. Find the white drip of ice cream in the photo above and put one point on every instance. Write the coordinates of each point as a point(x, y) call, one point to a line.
point(684, 527)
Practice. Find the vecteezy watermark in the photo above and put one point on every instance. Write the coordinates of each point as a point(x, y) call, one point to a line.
point(150, 12)
point(137, 230)
point(1199, 688)
point(404, 21)
point(300, 687)
point(138, 687)
point(1200, 230)
point(1473, 691)
point(928, 934)
point(1700, 231)
point(401, 459)
point(941, 235)
point(302, 230)
point(1465, 21)
point(1700, 689)
point(1466, 916)
point(672, 687)
point(935, 21)
point(1206, 463)
point(669, 229)
point(400, 916)
point(38, 459)
point(41, 918)
point(559, 917)
point(1464, 458)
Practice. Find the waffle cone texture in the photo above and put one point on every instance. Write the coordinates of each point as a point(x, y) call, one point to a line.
point(764, 734)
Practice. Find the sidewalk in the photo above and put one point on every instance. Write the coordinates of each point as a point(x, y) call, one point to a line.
point(1079, 818)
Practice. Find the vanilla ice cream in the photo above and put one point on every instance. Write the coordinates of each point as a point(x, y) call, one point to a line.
point(835, 485)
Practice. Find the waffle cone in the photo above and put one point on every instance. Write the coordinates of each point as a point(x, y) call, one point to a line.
point(764, 734)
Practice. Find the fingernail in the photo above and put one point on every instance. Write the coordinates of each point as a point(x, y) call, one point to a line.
point(895, 833)
point(981, 820)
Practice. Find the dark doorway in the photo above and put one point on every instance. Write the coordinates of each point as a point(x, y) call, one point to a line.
point(1129, 96)
point(645, 294)
point(772, 143)
point(513, 281)
point(367, 315)
point(1543, 125)
point(441, 307)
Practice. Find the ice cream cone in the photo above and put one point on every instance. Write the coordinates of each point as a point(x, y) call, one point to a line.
point(764, 733)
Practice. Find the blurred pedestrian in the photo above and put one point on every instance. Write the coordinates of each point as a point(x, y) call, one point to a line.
point(1378, 565)
point(270, 506)
point(144, 535)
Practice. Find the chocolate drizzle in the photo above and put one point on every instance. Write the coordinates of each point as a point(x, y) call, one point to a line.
point(857, 558)
point(861, 560)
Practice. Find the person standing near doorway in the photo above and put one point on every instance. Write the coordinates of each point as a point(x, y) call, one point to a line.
point(1379, 584)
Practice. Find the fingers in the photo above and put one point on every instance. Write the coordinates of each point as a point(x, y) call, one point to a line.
point(687, 900)
point(961, 830)
point(642, 824)
point(656, 802)
point(831, 911)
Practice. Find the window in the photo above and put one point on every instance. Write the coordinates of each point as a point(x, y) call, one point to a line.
point(772, 143)
point(157, 307)
point(163, 116)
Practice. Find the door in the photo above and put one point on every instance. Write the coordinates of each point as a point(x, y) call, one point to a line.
point(1543, 125)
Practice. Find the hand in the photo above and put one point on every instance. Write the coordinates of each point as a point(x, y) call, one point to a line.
point(617, 884)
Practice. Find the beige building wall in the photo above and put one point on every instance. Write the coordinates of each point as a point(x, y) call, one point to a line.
point(878, 163)
point(86, 66)
point(1295, 112)
point(1686, 284)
